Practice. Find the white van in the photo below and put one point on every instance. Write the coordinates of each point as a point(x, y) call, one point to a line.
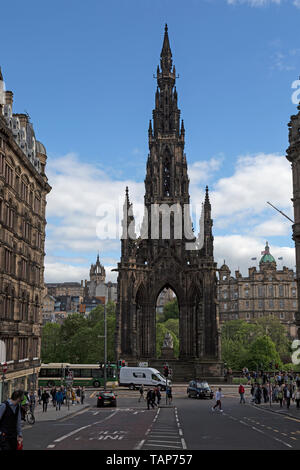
point(133, 377)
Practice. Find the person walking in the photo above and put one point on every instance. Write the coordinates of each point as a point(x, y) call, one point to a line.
point(242, 393)
point(78, 395)
point(258, 395)
point(10, 422)
point(265, 394)
point(141, 390)
point(287, 396)
point(150, 398)
point(158, 395)
point(59, 398)
point(280, 396)
point(297, 398)
point(32, 401)
point(53, 393)
point(39, 395)
point(219, 395)
point(82, 395)
point(45, 399)
point(169, 395)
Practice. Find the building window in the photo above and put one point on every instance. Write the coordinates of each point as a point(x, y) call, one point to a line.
point(280, 291)
point(23, 348)
point(225, 307)
point(281, 315)
point(260, 304)
point(247, 304)
point(246, 293)
point(281, 303)
point(9, 348)
point(271, 303)
point(271, 291)
point(293, 292)
point(260, 291)
point(248, 316)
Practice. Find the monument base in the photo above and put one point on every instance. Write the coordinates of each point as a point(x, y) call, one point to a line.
point(184, 370)
point(167, 353)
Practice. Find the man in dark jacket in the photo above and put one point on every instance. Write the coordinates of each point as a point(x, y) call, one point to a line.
point(10, 422)
point(150, 398)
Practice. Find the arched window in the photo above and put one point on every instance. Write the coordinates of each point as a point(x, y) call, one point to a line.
point(167, 174)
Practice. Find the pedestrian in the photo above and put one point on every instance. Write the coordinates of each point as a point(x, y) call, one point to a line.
point(73, 397)
point(150, 398)
point(297, 398)
point(242, 393)
point(141, 390)
point(265, 393)
point(39, 395)
point(32, 401)
point(219, 395)
point(169, 395)
point(78, 395)
point(10, 422)
point(53, 394)
point(258, 395)
point(45, 399)
point(280, 396)
point(82, 395)
point(59, 398)
point(287, 396)
point(24, 405)
point(158, 395)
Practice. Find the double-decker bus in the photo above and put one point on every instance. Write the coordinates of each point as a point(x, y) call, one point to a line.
point(88, 375)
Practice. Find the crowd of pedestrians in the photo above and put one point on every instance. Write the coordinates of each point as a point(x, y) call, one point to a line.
point(153, 396)
point(275, 387)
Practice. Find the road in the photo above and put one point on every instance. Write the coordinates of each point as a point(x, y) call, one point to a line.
point(189, 424)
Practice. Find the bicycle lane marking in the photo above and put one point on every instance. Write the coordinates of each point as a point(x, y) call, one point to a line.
point(60, 439)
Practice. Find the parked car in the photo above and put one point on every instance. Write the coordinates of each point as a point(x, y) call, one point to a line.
point(106, 399)
point(134, 377)
point(198, 389)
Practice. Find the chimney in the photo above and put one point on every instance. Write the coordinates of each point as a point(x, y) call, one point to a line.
point(9, 98)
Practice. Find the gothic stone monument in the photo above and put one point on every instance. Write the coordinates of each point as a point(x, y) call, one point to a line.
point(168, 255)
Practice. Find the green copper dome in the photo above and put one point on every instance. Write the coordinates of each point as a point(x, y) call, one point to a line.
point(267, 257)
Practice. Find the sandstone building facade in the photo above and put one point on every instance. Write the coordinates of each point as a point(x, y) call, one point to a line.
point(267, 291)
point(23, 191)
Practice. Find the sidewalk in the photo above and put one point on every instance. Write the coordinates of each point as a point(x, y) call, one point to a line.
point(52, 415)
point(292, 412)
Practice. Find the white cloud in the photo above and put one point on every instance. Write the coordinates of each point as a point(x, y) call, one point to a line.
point(237, 251)
point(243, 220)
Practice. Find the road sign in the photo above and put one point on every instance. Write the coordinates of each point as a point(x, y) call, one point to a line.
point(143, 364)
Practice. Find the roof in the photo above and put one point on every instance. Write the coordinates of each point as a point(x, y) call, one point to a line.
point(267, 257)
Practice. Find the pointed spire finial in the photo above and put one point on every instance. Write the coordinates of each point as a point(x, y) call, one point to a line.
point(166, 54)
point(206, 194)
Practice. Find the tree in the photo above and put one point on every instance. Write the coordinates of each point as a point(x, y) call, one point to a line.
point(50, 342)
point(262, 351)
point(171, 310)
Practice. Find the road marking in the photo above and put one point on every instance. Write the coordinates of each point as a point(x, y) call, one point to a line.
point(158, 445)
point(50, 446)
point(172, 442)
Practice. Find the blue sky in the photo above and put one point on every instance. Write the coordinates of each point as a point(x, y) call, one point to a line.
point(84, 73)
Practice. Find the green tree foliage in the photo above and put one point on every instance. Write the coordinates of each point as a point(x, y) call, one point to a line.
point(168, 322)
point(243, 343)
point(79, 339)
point(262, 351)
point(171, 310)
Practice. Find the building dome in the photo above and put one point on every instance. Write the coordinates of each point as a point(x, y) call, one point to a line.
point(40, 148)
point(267, 257)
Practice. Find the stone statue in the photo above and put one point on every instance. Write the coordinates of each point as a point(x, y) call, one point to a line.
point(168, 341)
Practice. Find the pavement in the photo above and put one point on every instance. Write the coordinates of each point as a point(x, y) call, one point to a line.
point(55, 415)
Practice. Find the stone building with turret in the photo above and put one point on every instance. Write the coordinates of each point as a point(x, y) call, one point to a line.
point(23, 190)
point(266, 291)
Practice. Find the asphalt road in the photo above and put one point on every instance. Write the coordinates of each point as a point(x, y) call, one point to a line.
point(189, 424)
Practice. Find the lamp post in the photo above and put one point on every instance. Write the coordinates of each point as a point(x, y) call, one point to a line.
point(105, 348)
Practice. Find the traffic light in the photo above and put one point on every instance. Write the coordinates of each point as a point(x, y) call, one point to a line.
point(121, 363)
point(166, 371)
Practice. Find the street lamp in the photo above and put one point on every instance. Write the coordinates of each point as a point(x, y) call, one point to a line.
point(105, 348)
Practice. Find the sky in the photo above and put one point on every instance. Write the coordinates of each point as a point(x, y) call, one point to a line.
point(84, 73)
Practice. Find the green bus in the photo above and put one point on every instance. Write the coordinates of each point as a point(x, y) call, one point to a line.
point(87, 375)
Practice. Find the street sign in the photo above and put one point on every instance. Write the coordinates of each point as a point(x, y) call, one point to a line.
point(143, 364)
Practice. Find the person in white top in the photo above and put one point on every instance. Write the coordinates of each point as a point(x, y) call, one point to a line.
point(219, 395)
